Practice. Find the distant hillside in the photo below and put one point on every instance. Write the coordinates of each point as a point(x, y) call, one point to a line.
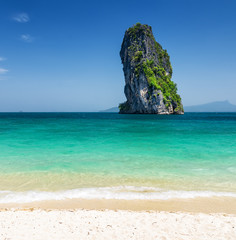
point(114, 109)
point(224, 106)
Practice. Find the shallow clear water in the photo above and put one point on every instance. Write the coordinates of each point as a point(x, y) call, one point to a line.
point(114, 154)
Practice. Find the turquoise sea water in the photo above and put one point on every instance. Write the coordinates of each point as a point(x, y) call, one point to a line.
point(108, 155)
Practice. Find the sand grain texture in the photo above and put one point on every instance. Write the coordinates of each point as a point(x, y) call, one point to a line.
point(108, 224)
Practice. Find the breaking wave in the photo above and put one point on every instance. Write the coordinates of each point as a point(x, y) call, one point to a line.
point(120, 193)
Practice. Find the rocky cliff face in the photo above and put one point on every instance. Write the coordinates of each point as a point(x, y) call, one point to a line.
point(148, 72)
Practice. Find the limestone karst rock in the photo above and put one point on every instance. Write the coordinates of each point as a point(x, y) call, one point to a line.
point(148, 72)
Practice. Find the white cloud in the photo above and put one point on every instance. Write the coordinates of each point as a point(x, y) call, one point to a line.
point(2, 59)
point(3, 70)
point(22, 18)
point(26, 38)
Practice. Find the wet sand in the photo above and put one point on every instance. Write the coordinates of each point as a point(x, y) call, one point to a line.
point(200, 218)
point(196, 205)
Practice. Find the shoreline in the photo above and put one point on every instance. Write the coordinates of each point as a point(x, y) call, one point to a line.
point(225, 205)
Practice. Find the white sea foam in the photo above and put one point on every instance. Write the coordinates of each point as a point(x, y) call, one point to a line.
point(121, 193)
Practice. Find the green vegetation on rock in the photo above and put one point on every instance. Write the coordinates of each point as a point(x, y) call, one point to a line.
point(160, 80)
point(124, 106)
point(138, 56)
point(145, 56)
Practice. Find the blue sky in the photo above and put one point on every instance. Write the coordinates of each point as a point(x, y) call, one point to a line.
point(58, 55)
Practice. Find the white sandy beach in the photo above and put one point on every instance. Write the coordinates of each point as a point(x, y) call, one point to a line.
point(109, 224)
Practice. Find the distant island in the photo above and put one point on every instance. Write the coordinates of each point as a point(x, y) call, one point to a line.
point(114, 109)
point(220, 106)
point(147, 69)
